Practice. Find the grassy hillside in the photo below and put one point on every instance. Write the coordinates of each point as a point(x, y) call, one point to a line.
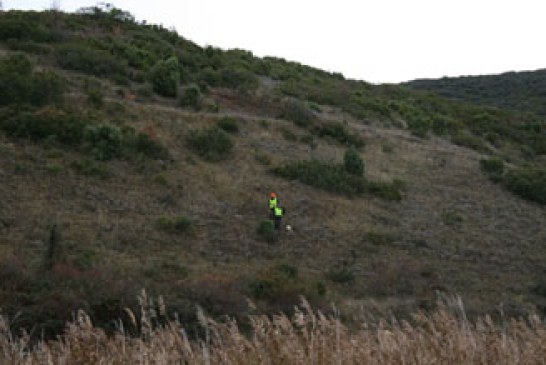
point(521, 91)
point(132, 158)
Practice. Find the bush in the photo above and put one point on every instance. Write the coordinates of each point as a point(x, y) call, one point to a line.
point(529, 183)
point(18, 83)
point(99, 63)
point(148, 146)
point(470, 141)
point(178, 225)
point(165, 77)
point(494, 167)
point(343, 275)
point(104, 140)
point(339, 133)
point(353, 163)
point(229, 124)
point(419, 126)
point(191, 97)
point(328, 177)
point(45, 123)
point(296, 111)
point(266, 231)
point(89, 167)
point(213, 144)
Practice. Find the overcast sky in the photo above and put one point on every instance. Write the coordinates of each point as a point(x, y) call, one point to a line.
point(374, 40)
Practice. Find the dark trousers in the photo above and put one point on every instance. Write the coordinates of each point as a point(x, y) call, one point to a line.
point(277, 222)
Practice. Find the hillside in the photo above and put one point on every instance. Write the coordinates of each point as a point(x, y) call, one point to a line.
point(521, 91)
point(131, 158)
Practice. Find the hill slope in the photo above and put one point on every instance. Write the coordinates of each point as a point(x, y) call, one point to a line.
point(521, 91)
point(132, 158)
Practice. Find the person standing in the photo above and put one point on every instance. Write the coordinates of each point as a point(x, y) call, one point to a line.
point(278, 212)
point(273, 203)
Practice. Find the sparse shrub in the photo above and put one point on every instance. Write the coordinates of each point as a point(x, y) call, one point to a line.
point(494, 167)
point(95, 97)
point(297, 112)
point(19, 84)
point(452, 218)
point(165, 77)
point(191, 97)
point(280, 286)
point(229, 124)
point(339, 133)
point(379, 238)
point(104, 141)
point(328, 177)
point(239, 79)
point(177, 225)
point(468, 140)
point(353, 163)
point(289, 135)
point(266, 231)
point(263, 158)
point(341, 275)
point(91, 61)
point(213, 144)
point(90, 167)
point(529, 183)
point(150, 147)
point(48, 122)
point(384, 190)
point(419, 126)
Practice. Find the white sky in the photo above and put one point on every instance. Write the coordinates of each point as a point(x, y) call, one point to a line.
point(374, 40)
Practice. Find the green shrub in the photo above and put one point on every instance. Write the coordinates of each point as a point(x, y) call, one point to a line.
point(239, 79)
point(266, 231)
point(229, 124)
point(165, 77)
point(90, 61)
point(104, 140)
point(529, 183)
point(191, 97)
point(19, 84)
point(176, 225)
point(49, 122)
point(468, 140)
point(379, 239)
point(23, 29)
point(213, 144)
point(280, 287)
point(494, 167)
point(89, 167)
point(353, 162)
point(148, 146)
point(383, 190)
point(327, 177)
point(419, 126)
point(296, 111)
point(341, 275)
point(339, 133)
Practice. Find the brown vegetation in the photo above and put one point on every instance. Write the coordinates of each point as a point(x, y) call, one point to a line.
point(308, 337)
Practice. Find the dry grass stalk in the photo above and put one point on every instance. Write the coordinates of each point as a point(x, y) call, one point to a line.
point(309, 337)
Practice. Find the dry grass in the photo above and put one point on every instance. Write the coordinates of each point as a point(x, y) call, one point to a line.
point(309, 337)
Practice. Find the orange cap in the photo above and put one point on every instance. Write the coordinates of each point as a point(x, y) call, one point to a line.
point(273, 195)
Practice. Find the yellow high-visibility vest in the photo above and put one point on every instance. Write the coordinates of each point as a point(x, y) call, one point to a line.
point(278, 212)
point(272, 203)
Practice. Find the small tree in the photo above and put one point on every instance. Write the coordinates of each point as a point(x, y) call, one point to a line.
point(105, 141)
point(191, 97)
point(165, 77)
point(353, 163)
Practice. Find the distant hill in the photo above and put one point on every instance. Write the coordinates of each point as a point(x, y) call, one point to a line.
point(521, 91)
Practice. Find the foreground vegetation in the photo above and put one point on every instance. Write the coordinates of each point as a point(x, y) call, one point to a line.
point(308, 337)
